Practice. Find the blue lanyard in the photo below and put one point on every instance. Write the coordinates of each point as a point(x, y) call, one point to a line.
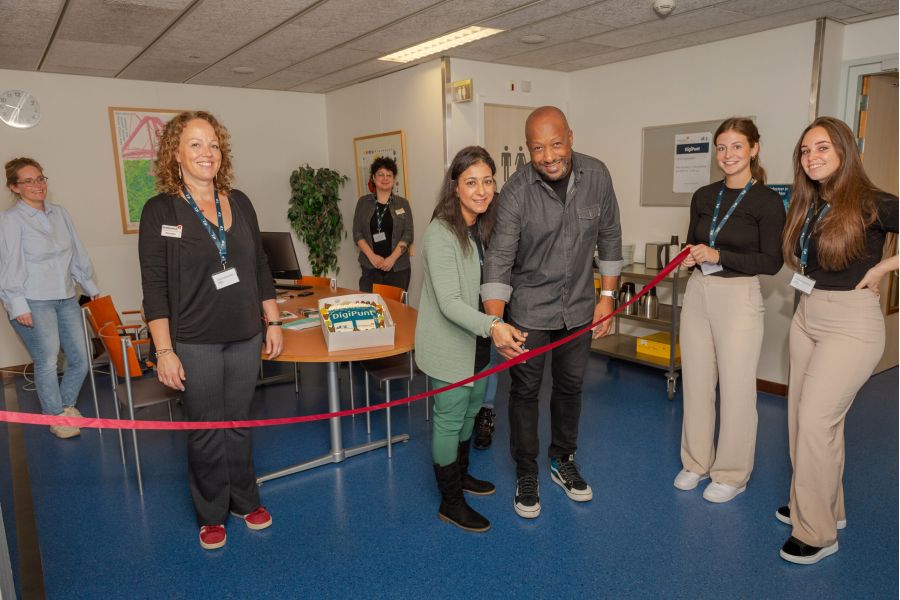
point(379, 213)
point(804, 238)
point(219, 240)
point(713, 229)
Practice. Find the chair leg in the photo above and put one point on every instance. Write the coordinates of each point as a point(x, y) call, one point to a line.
point(90, 357)
point(169, 406)
point(368, 414)
point(387, 416)
point(137, 452)
point(427, 399)
point(296, 379)
point(118, 417)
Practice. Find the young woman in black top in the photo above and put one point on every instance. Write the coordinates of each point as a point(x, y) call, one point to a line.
point(834, 240)
point(734, 236)
point(207, 288)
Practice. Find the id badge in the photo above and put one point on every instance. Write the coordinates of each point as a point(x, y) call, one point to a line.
point(400, 211)
point(223, 279)
point(710, 268)
point(173, 231)
point(379, 237)
point(803, 283)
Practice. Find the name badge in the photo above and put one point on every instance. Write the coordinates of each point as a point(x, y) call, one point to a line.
point(223, 279)
point(379, 237)
point(710, 268)
point(803, 283)
point(171, 231)
point(400, 211)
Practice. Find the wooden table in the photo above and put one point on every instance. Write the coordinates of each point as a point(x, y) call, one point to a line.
point(308, 346)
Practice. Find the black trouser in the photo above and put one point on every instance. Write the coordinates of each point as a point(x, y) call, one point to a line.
point(398, 279)
point(567, 363)
point(219, 385)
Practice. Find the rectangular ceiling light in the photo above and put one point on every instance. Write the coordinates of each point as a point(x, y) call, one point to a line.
point(439, 44)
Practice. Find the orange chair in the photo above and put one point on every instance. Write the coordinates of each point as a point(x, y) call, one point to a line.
point(137, 391)
point(103, 311)
point(314, 281)
point(391, 292)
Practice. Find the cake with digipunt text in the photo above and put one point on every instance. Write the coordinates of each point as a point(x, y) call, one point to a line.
point(353, 315)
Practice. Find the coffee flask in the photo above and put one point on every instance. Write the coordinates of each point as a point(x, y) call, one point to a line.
point(626, 293)
point(650, 304)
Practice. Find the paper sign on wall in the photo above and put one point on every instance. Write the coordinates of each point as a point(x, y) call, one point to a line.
point(692, 160)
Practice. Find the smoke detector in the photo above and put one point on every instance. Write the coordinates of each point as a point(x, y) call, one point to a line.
point(663, 7)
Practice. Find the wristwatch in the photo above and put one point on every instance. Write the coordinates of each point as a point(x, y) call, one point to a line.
point(608, 293)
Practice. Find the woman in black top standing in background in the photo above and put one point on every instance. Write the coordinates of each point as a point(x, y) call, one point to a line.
point(383, 230)
point(207, 288)
point(734, 235)
point(834, 239)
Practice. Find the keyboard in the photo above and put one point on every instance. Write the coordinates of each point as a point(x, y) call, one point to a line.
point(292, 286)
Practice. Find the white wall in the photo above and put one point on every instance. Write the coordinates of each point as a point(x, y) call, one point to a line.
point(409, 100)
point(465, 125)
point(272, 133)
point(765, 74)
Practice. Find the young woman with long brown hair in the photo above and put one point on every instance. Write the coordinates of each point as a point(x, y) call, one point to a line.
point(734, 236)
point(834, 239)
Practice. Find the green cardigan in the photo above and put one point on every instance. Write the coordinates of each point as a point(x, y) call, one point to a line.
point(449, 319)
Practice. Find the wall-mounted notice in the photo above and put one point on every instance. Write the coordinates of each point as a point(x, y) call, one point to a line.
point(692, 158)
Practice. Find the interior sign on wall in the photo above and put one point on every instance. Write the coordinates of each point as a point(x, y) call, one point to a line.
point(692, 160)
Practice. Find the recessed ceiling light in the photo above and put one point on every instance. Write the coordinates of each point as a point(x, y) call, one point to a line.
point(533, 38)
point(243, 70)
point(439, 44)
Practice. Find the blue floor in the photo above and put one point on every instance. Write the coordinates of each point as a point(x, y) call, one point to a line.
point(367, 528)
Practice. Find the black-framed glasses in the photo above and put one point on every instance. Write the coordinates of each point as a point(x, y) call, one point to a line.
point(33, 182)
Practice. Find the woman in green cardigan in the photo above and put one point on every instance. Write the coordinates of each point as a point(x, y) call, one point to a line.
point(453, 334)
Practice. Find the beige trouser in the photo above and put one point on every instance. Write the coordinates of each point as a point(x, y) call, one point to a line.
point(836, 340)
point(721, 338)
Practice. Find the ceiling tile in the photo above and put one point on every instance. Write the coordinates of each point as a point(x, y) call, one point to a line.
point(160, 69)
point(631, 52)
point(565, 52)
point(671, 26)
point(536, 12)
point(117, 23)
point(873, 6)
point(623, 13)
point(88, 55)
point(25, 33)
point(835, 10)
point(761, 8)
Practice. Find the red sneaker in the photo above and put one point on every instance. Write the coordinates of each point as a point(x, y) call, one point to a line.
point(258, 519)
point(212, 537)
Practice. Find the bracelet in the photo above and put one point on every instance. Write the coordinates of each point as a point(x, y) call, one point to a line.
point(494, 324)
point(164, 351)
point(275, 323)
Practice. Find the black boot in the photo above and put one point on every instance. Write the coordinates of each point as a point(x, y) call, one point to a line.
point(453, 504)
point(484, 428)
point(469, 483)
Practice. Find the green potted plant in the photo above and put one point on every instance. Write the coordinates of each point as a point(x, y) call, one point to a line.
point(315, 215)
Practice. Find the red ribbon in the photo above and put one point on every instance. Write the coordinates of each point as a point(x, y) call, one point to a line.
point(38, 419)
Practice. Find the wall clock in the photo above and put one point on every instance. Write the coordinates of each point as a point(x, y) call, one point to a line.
point(19, 109)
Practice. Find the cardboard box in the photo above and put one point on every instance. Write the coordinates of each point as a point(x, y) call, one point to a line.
point(658, 345)
point(348, 340)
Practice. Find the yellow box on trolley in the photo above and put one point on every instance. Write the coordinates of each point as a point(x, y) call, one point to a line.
point(658, 344)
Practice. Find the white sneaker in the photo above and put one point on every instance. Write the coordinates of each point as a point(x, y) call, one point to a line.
point(721, 492)
point(64, 431)
point(685, 480)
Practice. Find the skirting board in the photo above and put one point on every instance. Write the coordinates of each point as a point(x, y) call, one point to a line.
point(770, 387)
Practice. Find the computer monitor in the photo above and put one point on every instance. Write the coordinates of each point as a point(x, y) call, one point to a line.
point(279, 249)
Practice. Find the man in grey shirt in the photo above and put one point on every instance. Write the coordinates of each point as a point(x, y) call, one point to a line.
point(551, 217)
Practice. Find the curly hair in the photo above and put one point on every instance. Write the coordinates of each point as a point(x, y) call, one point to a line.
point(383, 162)
point(168, 172)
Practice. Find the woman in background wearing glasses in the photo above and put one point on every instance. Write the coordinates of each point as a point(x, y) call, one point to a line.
point(383, 230)
point(41, 260)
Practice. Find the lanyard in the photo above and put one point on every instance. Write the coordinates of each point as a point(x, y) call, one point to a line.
point(713, 229)
point(804, 238)
point(219, 240)
point(478, 246)
point(380, 210)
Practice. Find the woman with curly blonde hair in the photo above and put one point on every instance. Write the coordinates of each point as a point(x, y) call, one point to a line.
point(210, 305)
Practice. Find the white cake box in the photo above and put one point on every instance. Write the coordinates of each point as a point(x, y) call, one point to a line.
point(347, 340)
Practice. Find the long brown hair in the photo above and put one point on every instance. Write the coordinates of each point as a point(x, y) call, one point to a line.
point(747, 128)
point(168, 174)
point(448, 207)
point(852, 195)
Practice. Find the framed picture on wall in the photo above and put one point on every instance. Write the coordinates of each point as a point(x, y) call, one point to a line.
point(135, 139)
point(369, 147)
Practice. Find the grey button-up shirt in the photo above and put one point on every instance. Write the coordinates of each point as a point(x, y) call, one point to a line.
point(542, 249)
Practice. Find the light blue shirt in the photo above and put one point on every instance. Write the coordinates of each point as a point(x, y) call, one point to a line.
point(41, 257)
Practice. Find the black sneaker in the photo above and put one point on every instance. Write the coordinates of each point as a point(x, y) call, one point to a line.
point(484, 427)
point(783, 514)
point(528, 502)
point(799, 553)
point(564, 472)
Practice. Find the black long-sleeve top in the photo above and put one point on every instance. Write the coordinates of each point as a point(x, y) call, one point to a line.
point(847, 278)
point(176, 273)
point(750, 242)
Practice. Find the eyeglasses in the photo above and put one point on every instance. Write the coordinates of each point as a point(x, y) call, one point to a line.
point(384, 174)
point(33, 182)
